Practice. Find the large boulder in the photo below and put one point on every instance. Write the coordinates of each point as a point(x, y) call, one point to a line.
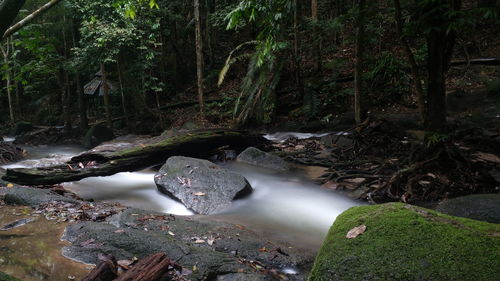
point(484, 207)
point(263, 159)
point(200, 185)
point(96, 135)
point(404, 242)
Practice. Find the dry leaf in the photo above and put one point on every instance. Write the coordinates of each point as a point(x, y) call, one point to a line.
point(119, 231)
point(355, 180)
point(199, 241)
point(125, 264)
point(199, 194)
point(355, 232)
point(171, 233)
point(487, 157)
point(210, 241)
point(10, 185)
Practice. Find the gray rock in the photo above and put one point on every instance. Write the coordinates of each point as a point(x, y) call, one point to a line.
point(484, 207)
point(33, 197)
point(263, 159)
point(244, 277)
point(200, 185)
point(21, 128)
point(90, 239)
point(220, 236)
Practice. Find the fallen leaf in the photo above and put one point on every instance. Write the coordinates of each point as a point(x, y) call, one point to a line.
point(210, 241)
point(355, 232)
point(355, 180)
point(263, 249)
point(171, 233)
point(125, 264)
point(199, 241)
point(240, 226)
point(330, 185)
point(10, 185)
point(199, 194)
point(487, 157)
point(424, 182)
point(119, 231)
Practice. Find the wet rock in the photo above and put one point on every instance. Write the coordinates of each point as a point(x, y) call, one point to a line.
point(263, 159)
point(90, 239)
point(96, 135)
point(33, 197)
point(16, 224)
point(244, 277)
point(219, 236)
point(484, 207)
point(404, 242)
point(21, 128)
point(10, 153)
point(202, 186)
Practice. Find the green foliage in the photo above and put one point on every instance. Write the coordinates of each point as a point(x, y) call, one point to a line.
point(433, 139)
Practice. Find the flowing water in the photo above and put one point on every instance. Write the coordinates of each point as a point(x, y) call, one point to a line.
point(285, 206)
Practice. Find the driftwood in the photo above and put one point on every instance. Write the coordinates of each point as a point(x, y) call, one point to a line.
point(142, 155)
point(105, 271)
point(151, 268)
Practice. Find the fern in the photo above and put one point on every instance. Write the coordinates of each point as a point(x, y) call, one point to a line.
point(230, 60)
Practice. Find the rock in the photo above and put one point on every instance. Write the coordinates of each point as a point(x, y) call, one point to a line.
point(404, 242)
point(6, 277)
point(200, 185)
point(244, 277)
point(91, 238)
point(336, 141)
point(33, 197)
point(10, 153)
point(483, 207)
point(21, 128)
point(263, 159)
point(96, 135)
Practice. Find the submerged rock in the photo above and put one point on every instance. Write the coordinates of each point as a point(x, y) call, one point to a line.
point(404, 242)
point(33, 197)
point(263, 159)
point(21, 128)
point(202, 186)
point(483, 207)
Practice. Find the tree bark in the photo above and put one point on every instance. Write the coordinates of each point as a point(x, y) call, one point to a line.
point(359, 110)
point(317, 38)
point(296, 50)
point(9, 9)
point(417, 83)
point(199, 55)
point(29, 18)
point(150, 268)
point(105, 88)
point(105, 271)
point(124, 102)
point(6, 54)
point(82, 104)
point(440, 43)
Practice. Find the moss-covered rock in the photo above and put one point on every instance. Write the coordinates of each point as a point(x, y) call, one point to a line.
point(6, 277)
point(96, 135)
point(404, 242)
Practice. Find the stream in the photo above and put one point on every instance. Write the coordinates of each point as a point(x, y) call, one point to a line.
point(285, 206)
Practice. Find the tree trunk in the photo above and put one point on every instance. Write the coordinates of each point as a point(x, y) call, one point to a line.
point(440, 43)
point(359, 110)
point(6, 54)
point(8, 12)
point(417, 83)
point(317, 37)
point(124, 103)
point(66, 94)
point(106, 97)
point(82, 104)
point(296, 50)
point(199, 55)
point(29, 18)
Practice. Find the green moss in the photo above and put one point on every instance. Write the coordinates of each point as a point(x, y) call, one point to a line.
point(5, 277)
point(403, 242)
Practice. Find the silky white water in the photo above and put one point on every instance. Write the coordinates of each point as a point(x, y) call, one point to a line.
point(283, 205)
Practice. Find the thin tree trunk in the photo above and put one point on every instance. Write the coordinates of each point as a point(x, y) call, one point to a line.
point(106, 97)
point(65, 87)
point(29, 18)
point(82, 104)
point(6, 54)
point(417, 83)
point(359, 110)
point(316, 35)
point(124, 103)
point(296, 50)
point(199, 55)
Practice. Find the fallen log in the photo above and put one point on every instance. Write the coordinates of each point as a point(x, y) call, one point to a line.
point(150, 268)
point(134, 156)
point(105, 271)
